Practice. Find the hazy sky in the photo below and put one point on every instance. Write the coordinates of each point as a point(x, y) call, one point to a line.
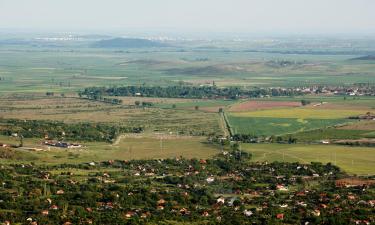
point(246, 16)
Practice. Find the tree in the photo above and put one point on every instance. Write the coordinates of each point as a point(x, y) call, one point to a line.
point(305, 102)
point(137, 103)
point(196, 107)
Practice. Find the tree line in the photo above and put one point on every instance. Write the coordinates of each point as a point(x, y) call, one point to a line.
point(199, 92)
point(60, 130)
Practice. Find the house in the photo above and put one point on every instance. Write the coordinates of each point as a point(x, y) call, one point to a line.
point(303, 204)
point(247, 212)
point(220, 200)
point(202, 161)
point(161, 202)
point(231, 201)
point(205, 214)
point(316, 212)
point(184, 211)
point(281, 187)
point(210, 180)
point(284, 206)
point(280, 216)
point(130, 214)
point(3, 145)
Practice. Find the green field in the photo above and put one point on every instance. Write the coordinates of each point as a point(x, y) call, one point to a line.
point(126, 149)
point(354, 160)
point(332, 133)
point(277, 126)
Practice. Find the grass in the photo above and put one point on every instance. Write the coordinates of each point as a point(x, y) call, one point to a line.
point(332, 133)
point(73, 110)
point(354, 160)
point(127, 148)
point(277, 126)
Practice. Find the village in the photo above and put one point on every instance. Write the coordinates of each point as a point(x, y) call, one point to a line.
point(224, 189)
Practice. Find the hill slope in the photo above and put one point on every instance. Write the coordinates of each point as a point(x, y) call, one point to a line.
point(367, 57)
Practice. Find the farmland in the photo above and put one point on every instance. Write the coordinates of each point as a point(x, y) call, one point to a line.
point(285, 115)
point(268, 126)
point(62, 67)
point(74, 110)
point(64, 70)
point(259, 105)
point(353, 160)
point(128, 148)
point(303, 113)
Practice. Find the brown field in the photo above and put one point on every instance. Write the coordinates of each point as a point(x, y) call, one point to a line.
point(362, 125)
point(257, 105)
point(354, 181)
point(329, 105)
point(131, 100)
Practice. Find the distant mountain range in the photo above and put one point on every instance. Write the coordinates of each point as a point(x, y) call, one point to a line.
point(128, 43)
point(367, 57)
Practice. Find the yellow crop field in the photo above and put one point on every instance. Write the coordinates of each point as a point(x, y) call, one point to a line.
point(302, 113)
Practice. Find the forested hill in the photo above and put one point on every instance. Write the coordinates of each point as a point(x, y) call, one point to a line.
point(127, 43)
point(186, 92)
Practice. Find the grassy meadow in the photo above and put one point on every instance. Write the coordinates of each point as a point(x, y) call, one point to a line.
point(136, 147)
point(74, 110)
point(354, 160)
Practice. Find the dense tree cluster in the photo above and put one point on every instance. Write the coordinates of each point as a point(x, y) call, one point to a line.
point(227, 189)
point(187, 92)
point(60, 130)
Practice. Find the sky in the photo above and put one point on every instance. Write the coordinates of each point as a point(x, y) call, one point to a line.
point(242, 16)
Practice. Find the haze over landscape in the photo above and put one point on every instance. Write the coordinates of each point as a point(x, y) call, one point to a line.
point(242, 16)
point(187, 112)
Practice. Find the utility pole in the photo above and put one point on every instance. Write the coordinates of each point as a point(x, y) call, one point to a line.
point(161, 144)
